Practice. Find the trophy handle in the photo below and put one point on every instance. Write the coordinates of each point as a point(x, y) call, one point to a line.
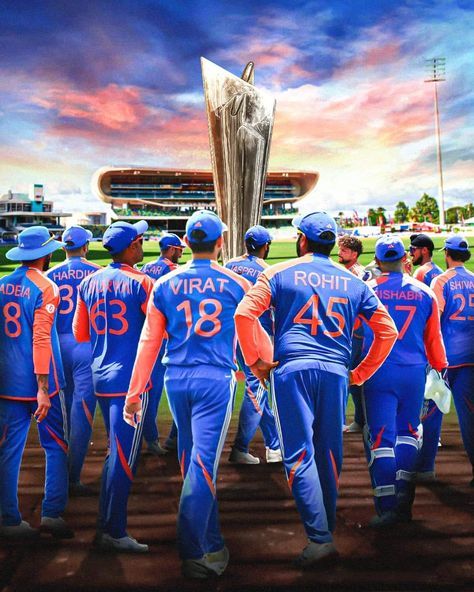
point(248, 75)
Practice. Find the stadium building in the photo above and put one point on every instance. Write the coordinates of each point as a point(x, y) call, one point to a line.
point(20, 210)
point(167, 197)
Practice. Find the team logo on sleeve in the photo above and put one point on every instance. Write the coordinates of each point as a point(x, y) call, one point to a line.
point(50, 308)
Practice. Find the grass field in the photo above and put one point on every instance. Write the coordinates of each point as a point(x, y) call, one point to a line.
point(279, 251)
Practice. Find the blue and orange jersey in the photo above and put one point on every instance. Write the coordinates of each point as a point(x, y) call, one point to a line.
point(250, 267)
point(427, 272)
point(111, 308)
point(195, 305)
point(414, 309)
point(29, 343)
point(158, 268)
point(316, 302)
point(67, 276)
point(454, 291)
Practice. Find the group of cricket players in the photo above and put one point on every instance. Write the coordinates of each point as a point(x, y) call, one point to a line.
point(304, 333)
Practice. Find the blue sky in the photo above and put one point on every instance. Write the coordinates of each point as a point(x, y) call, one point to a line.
point(97, 83)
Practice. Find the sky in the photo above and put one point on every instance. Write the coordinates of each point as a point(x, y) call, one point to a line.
point(95, 83)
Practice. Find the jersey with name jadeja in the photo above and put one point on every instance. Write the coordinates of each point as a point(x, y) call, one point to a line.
point(159, 268)
point(198, 301)
point(67, 276)
point(250, 267)
point(316, 304)
point(427, 272)
point(29, 341)
point(454, 290)
point(112, 306)
point(412, 306)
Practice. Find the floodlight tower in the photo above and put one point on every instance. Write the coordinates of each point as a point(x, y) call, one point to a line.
point(436, 73)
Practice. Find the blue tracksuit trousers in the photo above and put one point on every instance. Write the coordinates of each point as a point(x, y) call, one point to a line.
point(201, 400)
point(15, 421)
point(308, 405)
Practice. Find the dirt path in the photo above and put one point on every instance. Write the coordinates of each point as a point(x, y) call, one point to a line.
point(262, 530)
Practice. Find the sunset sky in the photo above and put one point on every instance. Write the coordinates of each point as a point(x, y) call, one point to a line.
point(94, 83)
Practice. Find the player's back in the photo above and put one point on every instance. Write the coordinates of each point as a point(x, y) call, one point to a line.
point(116, 298)
point(427, 272)
point(410, 304)
point(454, 291)
point(159, 268)
point(250, 267)
point(316, 302)
point(28, 304)
point(67, 276)
point(199, 302)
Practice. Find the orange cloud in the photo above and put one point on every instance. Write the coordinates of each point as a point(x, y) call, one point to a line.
point(113, 107)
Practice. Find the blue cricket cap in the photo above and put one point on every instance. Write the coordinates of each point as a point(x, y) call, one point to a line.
point(207, 221)
point(33, 243)
point(314, 224)
point(76, 237)
point(170, 240)
point(456, 242)
point(389, 247)
point(121, 235)
point(258, 236)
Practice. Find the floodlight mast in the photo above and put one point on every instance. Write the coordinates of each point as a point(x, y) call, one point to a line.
point(436, 73)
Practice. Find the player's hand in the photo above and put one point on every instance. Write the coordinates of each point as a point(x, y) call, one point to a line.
point(261, 370)
point(132, 413)
point(352, 381)
point(44, 404)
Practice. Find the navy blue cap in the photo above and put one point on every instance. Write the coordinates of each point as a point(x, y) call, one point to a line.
point(120, 235)
point(258, 236)
point(33, 243)
point(207, 221)
point(389, 247)
point(76, 237)
point(314, 224)
point(170, 240)
point(456, 242)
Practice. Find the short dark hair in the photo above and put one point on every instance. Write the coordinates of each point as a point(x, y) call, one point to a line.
point(461, 256)
point(351, 242)
point(201, 246)
point(320, 248)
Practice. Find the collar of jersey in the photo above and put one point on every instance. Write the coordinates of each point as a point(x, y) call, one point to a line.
point(202, 262)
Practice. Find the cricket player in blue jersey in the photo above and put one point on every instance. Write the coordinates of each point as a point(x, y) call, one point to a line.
point(421, 252)
point(255, 410)
point(31, 382)
point(195, 305)
point(171, 248)
point(350, 249)
point(111, 308)
point(454, 290)
point(77, 357)
point(393, 396)
point(316, 303)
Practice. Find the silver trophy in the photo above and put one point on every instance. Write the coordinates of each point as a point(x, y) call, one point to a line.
point(240, 130)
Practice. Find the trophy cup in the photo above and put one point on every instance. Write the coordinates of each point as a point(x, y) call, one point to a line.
point(240, 119)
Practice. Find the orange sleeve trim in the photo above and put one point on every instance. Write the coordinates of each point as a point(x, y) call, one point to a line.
point(433, 339)
point(9, 398)
point(147, 285)
point(420, 273)
point(254, 341)
point(43, 321)
point(147, 353)
point(385, 335)
point(80, 323)
point(274, 269)
point(437, 285)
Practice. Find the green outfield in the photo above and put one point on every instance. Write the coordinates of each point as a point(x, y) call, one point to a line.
point(279, 252)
